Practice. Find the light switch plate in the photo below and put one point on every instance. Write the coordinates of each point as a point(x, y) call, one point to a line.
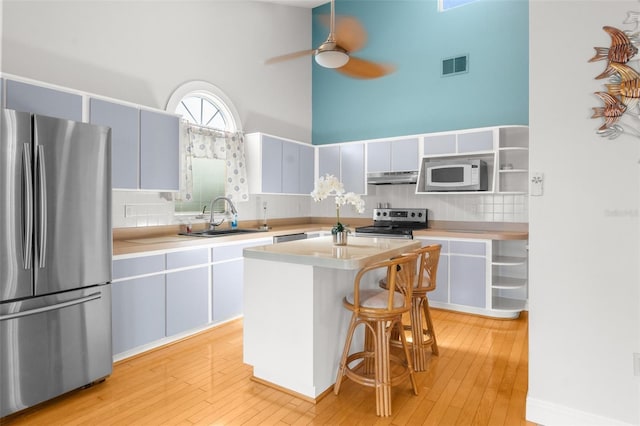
point(537, 180)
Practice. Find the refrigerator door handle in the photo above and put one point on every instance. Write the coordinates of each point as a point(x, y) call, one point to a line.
point(42, 228)
point(28, 206)
point(88, 298)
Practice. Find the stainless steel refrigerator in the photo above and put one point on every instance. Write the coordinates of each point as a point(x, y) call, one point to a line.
point(55, 257)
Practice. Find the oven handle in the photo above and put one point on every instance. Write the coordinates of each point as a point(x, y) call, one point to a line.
point(374, 235)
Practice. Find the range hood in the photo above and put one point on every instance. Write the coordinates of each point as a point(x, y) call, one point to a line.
point(392, 178)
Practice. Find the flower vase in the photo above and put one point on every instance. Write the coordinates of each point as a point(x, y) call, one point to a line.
point(340, 238)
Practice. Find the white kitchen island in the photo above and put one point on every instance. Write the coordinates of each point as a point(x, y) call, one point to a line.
point(294, 322)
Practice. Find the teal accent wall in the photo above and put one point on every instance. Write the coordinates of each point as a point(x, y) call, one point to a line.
point(415, 37)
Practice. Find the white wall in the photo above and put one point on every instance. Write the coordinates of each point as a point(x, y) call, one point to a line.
point(584, 233)
point(141, 51)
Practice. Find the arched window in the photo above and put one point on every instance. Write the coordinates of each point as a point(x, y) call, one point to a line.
point(203, 107)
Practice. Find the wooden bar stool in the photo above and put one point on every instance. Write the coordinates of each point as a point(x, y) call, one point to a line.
point(380, 312)
point(423, 335)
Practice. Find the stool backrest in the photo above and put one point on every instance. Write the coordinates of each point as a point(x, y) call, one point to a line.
point(428, 260)
point(400, 276)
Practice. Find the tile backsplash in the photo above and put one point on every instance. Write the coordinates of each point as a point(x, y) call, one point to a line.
point(147, 208)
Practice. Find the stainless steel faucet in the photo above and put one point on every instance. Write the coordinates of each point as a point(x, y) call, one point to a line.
point(232, 209)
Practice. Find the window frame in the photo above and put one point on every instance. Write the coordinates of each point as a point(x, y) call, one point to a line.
point(214, 95)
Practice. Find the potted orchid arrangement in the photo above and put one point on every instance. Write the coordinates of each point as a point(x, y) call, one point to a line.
point(329, 185)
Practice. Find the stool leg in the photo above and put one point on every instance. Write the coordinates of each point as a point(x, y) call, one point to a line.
point(368, 364)
point(431, 330)
point(345, 354)
point(412, 374)
point(383, 373)
point(418, 347)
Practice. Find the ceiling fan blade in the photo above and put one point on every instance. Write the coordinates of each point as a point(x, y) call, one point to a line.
point(288, 56)
point(361, 68)
point(349, 32)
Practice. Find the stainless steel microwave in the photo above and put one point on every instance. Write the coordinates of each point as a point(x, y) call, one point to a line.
point(454, 175)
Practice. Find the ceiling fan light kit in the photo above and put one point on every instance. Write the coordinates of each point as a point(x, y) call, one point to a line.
point(331, 57)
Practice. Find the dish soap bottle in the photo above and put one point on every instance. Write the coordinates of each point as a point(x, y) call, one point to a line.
point(234, 222)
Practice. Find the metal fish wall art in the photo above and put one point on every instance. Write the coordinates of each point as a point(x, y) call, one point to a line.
point(621, 109)
point(621, 51)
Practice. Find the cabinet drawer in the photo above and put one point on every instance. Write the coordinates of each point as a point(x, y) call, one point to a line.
point(182, 259)
point(468, 247)
point(123, 268)
point(234, 251)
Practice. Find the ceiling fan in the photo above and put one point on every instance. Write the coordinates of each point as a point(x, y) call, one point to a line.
point(346, 37)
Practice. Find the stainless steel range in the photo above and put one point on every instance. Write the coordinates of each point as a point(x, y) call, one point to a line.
point(395, 223)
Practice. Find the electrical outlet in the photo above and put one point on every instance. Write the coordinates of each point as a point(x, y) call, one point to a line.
point(636, 364)
point(128, 211)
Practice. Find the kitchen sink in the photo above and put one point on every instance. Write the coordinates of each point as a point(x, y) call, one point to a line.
point(220, 232)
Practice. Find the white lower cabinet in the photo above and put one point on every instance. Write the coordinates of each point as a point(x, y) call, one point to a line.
point(227, 290)
point(159, 298)
point(228, 278)
point(187, 300)
point(468, 273)
point(138, 312)
point(486, 277)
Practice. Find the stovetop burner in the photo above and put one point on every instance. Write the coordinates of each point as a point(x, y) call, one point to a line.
point(394, 223)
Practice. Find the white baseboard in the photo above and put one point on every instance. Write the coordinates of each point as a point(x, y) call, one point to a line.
point(549, 414)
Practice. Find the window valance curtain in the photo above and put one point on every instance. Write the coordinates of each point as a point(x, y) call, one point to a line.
point(202, 142)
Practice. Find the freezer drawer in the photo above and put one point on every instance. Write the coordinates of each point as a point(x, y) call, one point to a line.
point(53, 344)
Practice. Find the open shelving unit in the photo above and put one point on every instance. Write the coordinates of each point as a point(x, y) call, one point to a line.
point(509, 276)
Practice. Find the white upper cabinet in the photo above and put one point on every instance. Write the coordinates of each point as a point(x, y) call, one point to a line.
point(43, 100)
point(346, 162)
point(505, 149)
point(159, 151)
point(278, 166)
point(144, 145)
point(125, 148)
point(393, 155)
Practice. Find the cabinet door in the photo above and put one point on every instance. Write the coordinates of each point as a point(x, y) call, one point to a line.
point(41, 100)
point(159, 151)
point(306, 172)
point(475, 141)
point(440, 144)
point(379, 156)
point(352, 167)
point(441, 292)
point(271, 164)
point(187, 299)
point(227, 290)
point(290, 170)
point(404, 155)
point(125, 132)
point(329, 160)
point(468, 280)
point(138, 312)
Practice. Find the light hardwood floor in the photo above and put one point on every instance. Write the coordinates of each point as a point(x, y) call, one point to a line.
point(479, 378)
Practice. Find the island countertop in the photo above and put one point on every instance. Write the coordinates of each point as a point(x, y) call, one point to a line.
point(359, 252)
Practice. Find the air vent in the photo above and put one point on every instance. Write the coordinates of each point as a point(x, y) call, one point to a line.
point(457, 65)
